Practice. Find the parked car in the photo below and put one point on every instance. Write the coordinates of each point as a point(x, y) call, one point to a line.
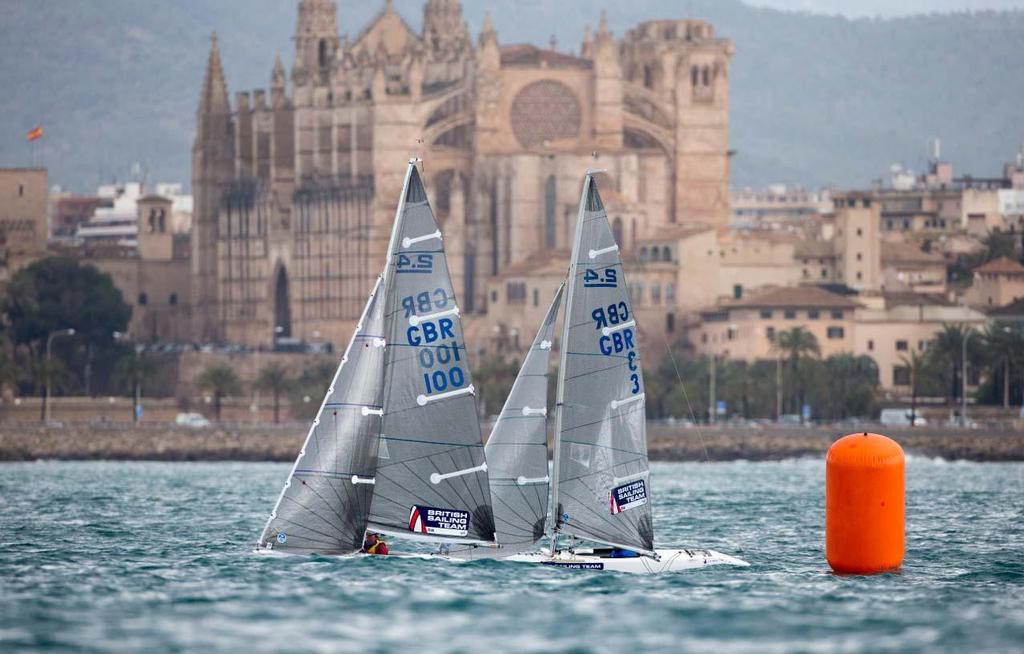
point(897, 417)
point(192, 420)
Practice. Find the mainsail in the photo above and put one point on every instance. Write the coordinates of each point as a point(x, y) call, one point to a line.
point(431, 479)
point(602, 490)
point(325, 503)
point(517, 450)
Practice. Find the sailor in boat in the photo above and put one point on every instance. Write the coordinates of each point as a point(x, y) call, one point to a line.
point(374, 544)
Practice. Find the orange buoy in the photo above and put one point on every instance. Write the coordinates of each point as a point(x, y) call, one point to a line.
point(864, 504)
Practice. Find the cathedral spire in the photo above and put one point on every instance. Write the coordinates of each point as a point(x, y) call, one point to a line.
point(213, 98)
point(277, 76)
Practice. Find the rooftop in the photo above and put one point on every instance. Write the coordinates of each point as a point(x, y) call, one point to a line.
point(1002, 265)
point(794, 297)
point(900, 252)
point(525, 54)
point(1014, 309)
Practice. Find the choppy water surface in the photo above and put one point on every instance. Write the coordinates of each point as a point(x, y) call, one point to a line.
point(155, 557)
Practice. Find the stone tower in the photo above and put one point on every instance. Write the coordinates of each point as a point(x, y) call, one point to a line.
point(316, 41)
point(213, 168)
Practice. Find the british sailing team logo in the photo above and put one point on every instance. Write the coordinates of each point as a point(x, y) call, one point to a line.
point(628, 496)
point(438, 522)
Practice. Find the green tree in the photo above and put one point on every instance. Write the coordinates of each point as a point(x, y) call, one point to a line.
point(1003, 350)
point(274, 378)
point(309, 389)
point(221, 381)
point(58, 293)
point(850, 388)
point(797, 345)
point(946, 353)
point(493, 379)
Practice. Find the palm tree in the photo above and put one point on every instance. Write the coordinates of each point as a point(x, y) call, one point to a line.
point(1003, 347)
point(947, 351)
point(220, 380)
point(914, 363)
point(129, 371)
point(795, 345)
point(274, 378)
point(851, 386)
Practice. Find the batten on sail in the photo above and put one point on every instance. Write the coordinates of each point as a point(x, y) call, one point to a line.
point(324, 506)
point(517, 450)
point(432, 484)
point(600, 434)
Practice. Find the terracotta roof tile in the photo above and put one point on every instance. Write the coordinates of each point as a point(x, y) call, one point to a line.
point(1001, 265)
point(793, 297)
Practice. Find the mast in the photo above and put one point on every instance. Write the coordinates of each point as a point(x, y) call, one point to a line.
point(563, 352)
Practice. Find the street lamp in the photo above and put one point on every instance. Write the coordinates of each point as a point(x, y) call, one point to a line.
point(70, 331)
point(136, 380)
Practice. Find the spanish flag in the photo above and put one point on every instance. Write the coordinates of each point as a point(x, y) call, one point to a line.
point(35, 133)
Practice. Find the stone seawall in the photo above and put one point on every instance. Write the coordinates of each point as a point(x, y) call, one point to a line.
point(26, 442)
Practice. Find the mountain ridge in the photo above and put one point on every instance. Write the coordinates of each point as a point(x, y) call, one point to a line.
point(815, 99)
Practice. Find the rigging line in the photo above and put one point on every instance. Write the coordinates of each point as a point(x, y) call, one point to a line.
point(582, 425)
point(326, 503)
point(516, 514)
point(462, 478)
point(610, 469)
point(686, 396)
point(615, 528)
point(582, 375)
point(679, 377)
point(315, 531)
point(415, 458)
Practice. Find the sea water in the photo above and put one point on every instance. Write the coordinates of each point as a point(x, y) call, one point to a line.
point(156, 557)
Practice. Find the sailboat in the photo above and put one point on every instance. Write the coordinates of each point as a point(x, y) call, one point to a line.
point(600, 477)
point(396, 445)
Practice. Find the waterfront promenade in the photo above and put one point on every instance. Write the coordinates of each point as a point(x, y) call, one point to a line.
point(266, 442)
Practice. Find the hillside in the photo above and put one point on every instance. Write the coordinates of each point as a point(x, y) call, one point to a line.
point(815, 99)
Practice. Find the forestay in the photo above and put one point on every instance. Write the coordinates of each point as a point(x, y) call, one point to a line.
point(431, 479)
point(603, 487)
point(517, 450)
point(325, 504)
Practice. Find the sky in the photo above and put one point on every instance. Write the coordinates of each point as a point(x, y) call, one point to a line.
point(886, 8)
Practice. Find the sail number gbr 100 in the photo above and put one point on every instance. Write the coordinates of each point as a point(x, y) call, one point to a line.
point(438, 353)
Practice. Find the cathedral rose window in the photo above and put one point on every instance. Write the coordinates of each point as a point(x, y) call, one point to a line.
point(545, 111)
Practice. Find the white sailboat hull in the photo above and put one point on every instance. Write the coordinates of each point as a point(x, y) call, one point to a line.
point(669, 560)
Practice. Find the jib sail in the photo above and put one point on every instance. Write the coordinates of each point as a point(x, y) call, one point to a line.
point(325, 504)
point(517, 450)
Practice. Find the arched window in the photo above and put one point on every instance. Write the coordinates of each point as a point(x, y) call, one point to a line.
point(707, 76)
point(617, 229)
point(323, 53)
point(655, 294)
point(694, 76)
point(643, 254)
point(649, 76)
point(666, 254)
point(670, 292)
point(550, 200)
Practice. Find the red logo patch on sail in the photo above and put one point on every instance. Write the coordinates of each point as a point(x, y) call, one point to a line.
point(416, 522)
